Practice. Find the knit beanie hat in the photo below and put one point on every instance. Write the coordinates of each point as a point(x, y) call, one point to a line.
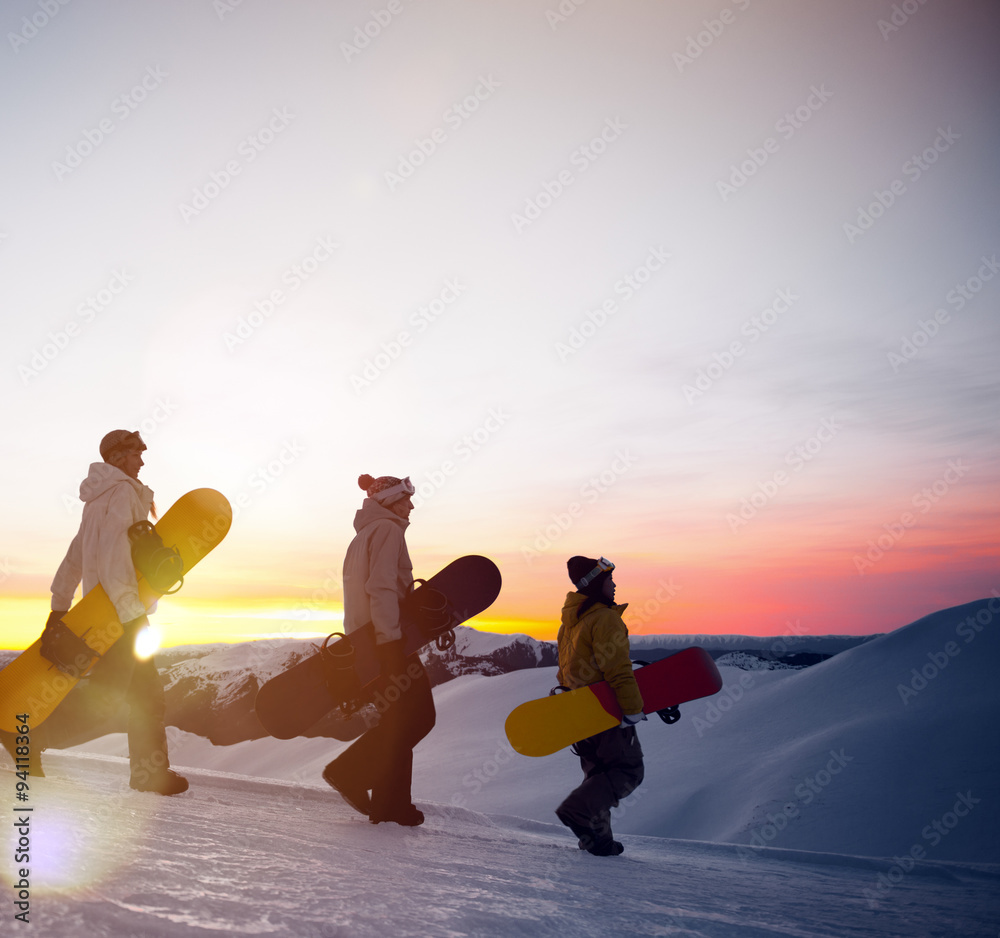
point(588, 575)
point(386, 489)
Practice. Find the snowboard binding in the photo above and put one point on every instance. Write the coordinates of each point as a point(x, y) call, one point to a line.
point(339, 674)
point(669, 715)
point(431, 609)
point(162, 566)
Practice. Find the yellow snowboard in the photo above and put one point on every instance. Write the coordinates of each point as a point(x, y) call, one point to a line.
point(32, 687)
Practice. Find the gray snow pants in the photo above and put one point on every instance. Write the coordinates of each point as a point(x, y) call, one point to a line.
point(612, 768)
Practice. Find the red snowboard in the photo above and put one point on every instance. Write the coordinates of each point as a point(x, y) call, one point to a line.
point(541, 727)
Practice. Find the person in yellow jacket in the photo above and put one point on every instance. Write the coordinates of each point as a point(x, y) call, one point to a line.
point(593, 646)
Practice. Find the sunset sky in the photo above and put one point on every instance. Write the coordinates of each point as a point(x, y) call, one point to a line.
point(710, 289)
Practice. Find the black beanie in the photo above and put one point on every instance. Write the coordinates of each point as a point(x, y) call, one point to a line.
point(579, 567)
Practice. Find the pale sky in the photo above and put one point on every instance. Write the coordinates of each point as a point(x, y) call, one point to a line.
point(707, 288)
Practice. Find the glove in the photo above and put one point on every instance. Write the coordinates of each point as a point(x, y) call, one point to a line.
point(630, 719)
point(67, 651)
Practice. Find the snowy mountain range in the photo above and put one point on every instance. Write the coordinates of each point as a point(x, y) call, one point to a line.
point(210, 689)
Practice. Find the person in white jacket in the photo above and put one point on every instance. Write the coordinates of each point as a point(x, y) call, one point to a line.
point(378, 575)
point(114, 499)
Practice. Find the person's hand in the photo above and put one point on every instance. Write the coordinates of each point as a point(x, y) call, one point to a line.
point(630, 719)
point(55, 617)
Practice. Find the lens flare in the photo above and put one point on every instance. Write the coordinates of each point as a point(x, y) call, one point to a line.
point(147, 642)
point(58, 848)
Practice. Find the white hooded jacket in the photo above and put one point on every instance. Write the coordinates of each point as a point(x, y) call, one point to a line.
point(100, 553)
point(377, 572)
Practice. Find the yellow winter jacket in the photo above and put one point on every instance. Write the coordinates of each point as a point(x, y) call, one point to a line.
point(595, 648)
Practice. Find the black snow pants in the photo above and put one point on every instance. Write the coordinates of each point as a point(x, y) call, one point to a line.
point(612, 768)
point(120, 693)
point(381, 760)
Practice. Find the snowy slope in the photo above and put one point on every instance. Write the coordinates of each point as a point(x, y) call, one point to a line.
point(830, 758)
point(239, 856)
point(886, 751)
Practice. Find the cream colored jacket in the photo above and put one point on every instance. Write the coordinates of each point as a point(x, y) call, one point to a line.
point(377, 572)
point(100, 553)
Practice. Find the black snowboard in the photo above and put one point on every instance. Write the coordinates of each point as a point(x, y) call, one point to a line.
point(339, 675)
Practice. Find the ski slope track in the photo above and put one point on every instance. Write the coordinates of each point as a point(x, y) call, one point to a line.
point(857, 797)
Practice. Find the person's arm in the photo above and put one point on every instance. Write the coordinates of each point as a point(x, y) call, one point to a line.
point(611, 652)
point(68, 576)
point(115, 569)
point(382, 585)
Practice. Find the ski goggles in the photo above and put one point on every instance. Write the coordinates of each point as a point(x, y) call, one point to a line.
point(603, 566)
point(402, 489)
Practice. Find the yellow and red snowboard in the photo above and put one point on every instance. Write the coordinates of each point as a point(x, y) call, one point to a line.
point(33, 686)
point(544, 726)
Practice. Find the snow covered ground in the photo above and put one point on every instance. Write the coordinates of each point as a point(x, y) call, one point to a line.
point(247, 857)
point(858, 797)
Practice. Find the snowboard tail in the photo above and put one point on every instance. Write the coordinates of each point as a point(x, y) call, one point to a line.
point(546, 725)
point(33, 686)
